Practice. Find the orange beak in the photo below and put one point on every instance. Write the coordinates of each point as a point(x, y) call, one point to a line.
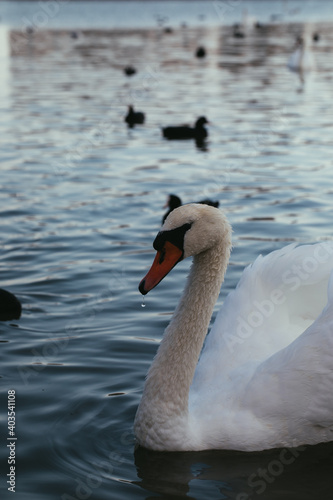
point(164, 261)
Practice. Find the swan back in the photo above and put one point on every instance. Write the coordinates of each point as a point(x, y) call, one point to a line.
point(276, 299)
point(266, 364)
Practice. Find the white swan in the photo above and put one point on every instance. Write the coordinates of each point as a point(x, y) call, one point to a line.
point(302, 59)
point(265, 375)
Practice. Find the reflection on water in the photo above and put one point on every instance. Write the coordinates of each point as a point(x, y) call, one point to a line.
point(233, 474)
point(81, 200)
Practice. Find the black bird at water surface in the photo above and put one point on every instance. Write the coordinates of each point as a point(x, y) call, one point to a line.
point(10, 306)
point(181, 132)
point(173, 201)
point(134, 117)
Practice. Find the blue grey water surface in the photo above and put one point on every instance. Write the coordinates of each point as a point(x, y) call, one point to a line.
point(81, 199)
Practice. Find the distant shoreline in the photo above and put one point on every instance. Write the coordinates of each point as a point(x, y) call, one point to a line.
point(114, 14)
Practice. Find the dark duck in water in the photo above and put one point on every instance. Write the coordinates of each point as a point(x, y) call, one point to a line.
point(10, 306)
point(198, 132)
point(134, 117)
point(200, 52)
point(129, 70)
point(173, 201)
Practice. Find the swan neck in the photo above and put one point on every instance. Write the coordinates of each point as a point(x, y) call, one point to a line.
point(167, 387)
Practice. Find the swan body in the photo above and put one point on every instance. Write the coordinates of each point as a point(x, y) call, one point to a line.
point(265, 374)
point(302, 58)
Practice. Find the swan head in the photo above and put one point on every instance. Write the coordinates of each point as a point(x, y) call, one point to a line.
point(188, 231)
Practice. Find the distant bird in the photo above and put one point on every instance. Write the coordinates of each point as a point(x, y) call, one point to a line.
point(198, 132)
point(10, 306)
point(134, 117)
point(302, 58)
point(129, 70)
point(173, 201)
point(316, 37)
point(200, 52)
point(237, 31)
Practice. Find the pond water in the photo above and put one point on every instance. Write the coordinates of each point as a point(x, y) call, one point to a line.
point(81, 200)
